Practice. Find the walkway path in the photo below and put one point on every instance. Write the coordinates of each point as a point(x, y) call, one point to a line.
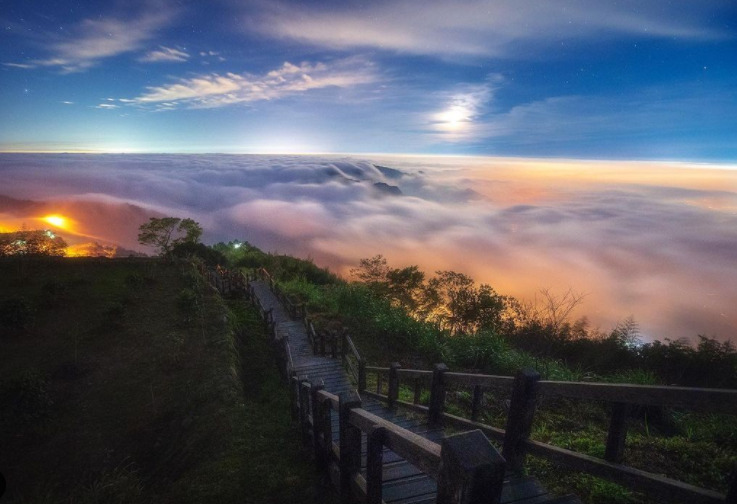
point(402, 482)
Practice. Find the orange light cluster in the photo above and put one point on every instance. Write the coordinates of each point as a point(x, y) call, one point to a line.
point(91, 250)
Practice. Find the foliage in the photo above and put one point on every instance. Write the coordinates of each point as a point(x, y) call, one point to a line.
point(161, 401)
point(16, 313)
point(167, 232)
point(208, 255)
point(281, 267)
point(39, 242)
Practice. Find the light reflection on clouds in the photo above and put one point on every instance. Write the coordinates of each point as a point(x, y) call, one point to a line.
point(654, 240)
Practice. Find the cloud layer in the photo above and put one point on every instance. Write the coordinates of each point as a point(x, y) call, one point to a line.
point(653, 240)
point(475, 27)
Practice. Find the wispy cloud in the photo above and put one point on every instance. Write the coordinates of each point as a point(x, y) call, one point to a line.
point(20, 65)
point(478, 27)
point(219, 90)
point(164, 54)
point(93, 40)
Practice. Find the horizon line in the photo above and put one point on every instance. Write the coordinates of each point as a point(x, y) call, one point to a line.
point(721, 162)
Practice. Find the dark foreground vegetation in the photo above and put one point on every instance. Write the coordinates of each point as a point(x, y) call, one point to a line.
point(130, 381)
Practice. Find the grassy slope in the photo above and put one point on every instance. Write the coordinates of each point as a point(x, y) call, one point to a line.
point(124, 387)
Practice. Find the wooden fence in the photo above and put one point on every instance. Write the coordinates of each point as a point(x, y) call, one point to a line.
point(460, 475)
point(467, 467)
point(526, 389)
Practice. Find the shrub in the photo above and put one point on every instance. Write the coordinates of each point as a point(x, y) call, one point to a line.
point(24, 398)
point(16, 313)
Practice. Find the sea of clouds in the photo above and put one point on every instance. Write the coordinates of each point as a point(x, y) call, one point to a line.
point(657, 241)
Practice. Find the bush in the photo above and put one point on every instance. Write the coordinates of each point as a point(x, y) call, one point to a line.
point(16, 313)
point(208, 255)
point(24, 399)
point(187, 303)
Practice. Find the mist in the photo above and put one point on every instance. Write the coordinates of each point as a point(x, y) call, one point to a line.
point(656, 241)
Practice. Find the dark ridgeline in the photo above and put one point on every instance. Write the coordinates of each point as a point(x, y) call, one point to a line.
point(370, 450)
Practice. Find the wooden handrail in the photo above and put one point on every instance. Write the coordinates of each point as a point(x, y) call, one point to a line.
point(458, 476)
point(625, 475)
point(701, 399)
point(412, 447)
point(527, 388)
point(420, 374)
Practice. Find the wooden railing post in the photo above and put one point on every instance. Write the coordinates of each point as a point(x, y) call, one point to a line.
point(317, 421)
point(350, 444)
point(304, 410)
point(313, 337)
point(471, 470)
point(294, 395)
point(334, 346)
point(361, 375)
point(519, 419)
point(378, 382)
point(343, 348)
point(437, 395)
point(322, 342)
point(393, 392)
point(732, 491)
point(374, 464)
point(418, 391)
point(478, 394)
point(326, 427)
point(617, 433)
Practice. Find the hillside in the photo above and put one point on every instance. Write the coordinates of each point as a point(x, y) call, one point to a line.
point(120, 382)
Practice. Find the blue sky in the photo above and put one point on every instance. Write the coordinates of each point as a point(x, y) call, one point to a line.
point(569, 78)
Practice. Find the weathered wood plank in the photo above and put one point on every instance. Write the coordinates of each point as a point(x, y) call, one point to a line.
point(413, 447)
point(471, 380)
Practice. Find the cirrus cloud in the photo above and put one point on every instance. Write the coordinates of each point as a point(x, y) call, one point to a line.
point(219, 90)
point(477, 27)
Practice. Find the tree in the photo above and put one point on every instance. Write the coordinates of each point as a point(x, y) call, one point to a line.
point(372, 271)
point(38, 242)
point(167, 232)
point(453, 301)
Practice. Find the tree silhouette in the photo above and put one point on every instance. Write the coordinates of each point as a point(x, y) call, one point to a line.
point(167, 232)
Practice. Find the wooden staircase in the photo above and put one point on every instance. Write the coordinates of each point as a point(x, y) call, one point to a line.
point(402, 482)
